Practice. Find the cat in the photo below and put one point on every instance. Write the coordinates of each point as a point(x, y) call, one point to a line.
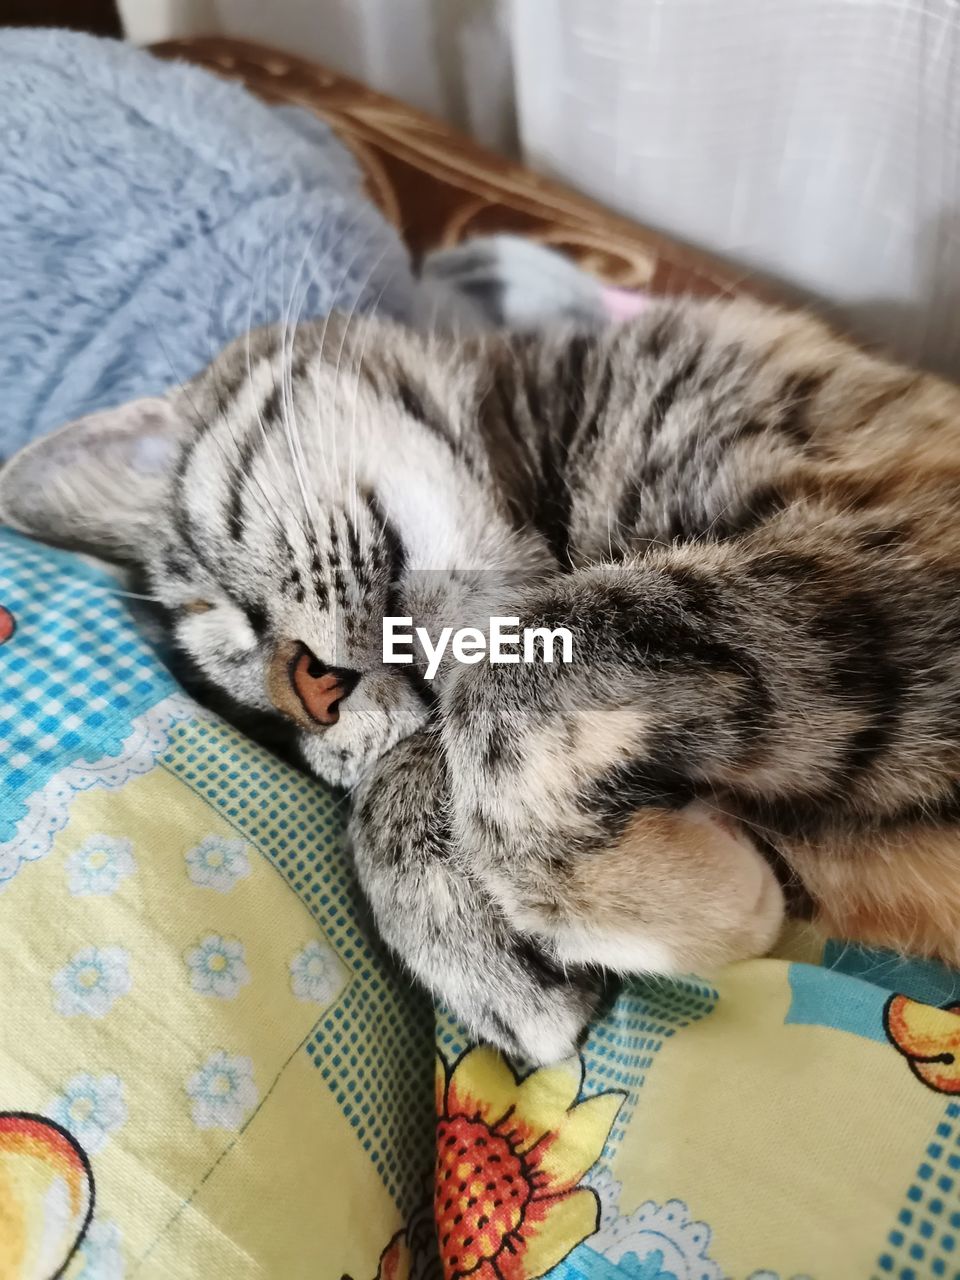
point(751, 528)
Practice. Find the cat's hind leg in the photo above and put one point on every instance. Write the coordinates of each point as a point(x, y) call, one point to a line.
point(577, 803)
point(674, 892)
point(510, 282)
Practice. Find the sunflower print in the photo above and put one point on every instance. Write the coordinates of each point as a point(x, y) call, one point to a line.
point(510, 1154)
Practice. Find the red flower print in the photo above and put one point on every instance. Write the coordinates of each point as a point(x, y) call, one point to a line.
point(509, 1156)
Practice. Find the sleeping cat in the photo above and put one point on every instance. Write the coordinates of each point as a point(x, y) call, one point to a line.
point(752, 530)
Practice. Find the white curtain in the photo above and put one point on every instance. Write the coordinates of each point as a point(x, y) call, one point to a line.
point(815, 142)
point(449, 57)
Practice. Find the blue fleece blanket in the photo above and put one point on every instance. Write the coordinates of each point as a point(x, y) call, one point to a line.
point(149, 213)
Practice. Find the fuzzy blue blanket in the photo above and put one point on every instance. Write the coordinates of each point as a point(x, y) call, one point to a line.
point(149, 213)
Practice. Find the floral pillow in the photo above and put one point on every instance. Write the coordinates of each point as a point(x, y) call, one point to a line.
point(206, 1066)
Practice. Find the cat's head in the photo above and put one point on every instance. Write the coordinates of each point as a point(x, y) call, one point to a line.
point(280, 505)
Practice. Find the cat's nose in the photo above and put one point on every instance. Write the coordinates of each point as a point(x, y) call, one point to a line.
point(320, 688)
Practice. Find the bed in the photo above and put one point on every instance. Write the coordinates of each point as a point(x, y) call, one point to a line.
point(209, 1067)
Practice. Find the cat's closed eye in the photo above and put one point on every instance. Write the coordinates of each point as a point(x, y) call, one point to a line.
point(197, 606)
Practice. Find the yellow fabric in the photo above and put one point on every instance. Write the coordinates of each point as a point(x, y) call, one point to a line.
point(193, 1193)
point(701, 1128)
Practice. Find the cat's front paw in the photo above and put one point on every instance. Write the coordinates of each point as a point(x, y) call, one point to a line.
point(434, 913)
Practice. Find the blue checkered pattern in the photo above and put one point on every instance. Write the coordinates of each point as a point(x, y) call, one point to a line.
point(73, 676)
point(926, 1240)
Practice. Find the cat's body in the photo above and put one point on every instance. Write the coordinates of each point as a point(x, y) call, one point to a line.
point(752, 530)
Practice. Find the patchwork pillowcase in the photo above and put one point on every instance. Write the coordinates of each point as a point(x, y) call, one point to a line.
point(207, 1067)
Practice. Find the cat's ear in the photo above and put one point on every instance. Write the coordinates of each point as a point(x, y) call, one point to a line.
point(97, 483)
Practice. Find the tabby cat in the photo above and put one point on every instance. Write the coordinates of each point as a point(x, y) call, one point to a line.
point(751, 528)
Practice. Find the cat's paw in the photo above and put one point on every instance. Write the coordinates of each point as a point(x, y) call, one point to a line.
point(438, 918)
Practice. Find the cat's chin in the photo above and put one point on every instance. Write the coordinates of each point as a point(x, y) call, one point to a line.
point(345, 753)
point(327, 766)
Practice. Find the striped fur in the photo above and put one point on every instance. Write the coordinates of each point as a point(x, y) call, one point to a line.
point(751, 528)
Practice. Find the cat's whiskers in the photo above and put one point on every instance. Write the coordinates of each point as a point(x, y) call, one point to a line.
point(352, 461)
point(268, 444)
point(294, 445)
point(348, 321)
point(348, 266)
point(129, 595)
point(280, 376)
point(346, 271)
point(292, 428)
point(287, 366)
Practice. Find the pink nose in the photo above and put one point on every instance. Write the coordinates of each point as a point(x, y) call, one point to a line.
point(321, 689)
point(320, 697)
point(304, 689)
